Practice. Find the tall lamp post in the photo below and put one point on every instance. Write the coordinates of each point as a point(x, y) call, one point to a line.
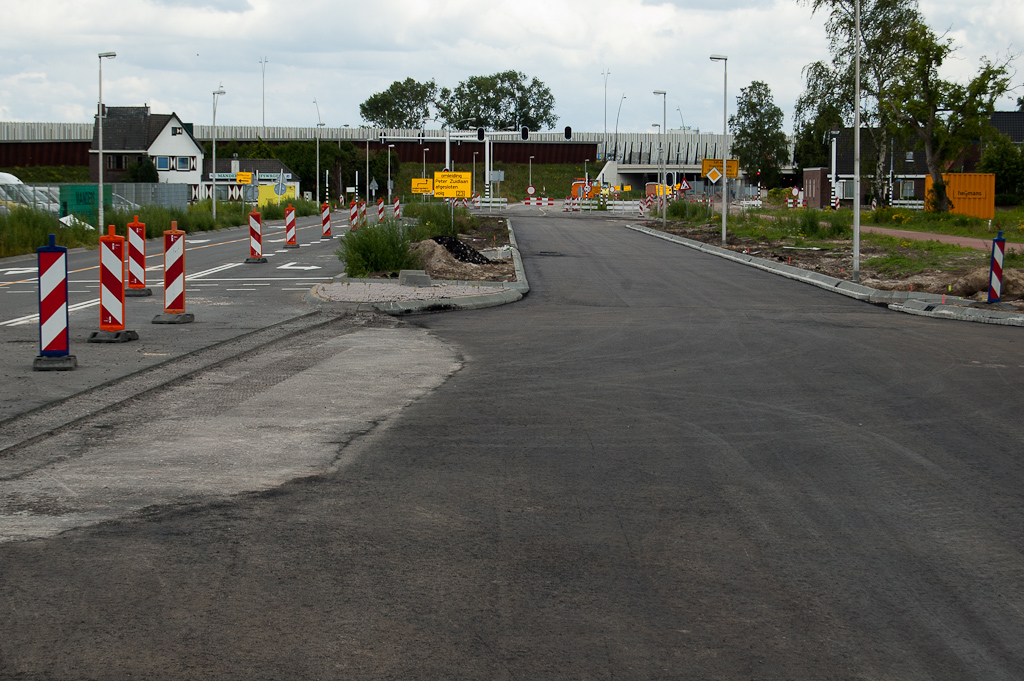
point(390, 147)
point(531, 171)
point(99, 123)
point(617, 127)
point(320, 124)
point(213, 173)
point(663, 202)
point(604, 150)
point(725, 131)
point(472, 178)
point(856, 151)
point(423, 197)
point(263, 64)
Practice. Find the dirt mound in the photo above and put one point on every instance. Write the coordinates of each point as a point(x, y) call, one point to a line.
point(461, 251)
point(439, 263)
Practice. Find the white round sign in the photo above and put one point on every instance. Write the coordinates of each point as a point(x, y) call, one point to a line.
point(795, 191)
point(531, 190)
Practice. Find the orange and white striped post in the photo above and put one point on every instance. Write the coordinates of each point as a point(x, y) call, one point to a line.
point(398, 209)
point(325, 217)
point(137, 260)
point(362, 213)
point(380, 210)
point(255, 239)
point(353, 216)
point(289, 227)
point(112, 317)
point(174, 279)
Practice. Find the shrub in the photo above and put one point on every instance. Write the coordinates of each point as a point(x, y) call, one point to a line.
point(1007, 200)
point(24, 229)
point(381, 248)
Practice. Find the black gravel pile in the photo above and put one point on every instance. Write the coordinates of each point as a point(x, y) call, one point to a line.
point(461, 251)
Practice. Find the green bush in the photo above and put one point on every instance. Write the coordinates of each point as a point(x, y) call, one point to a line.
point(25, 229)
point(685, 210)
point(1008, 200)
point(380, 248)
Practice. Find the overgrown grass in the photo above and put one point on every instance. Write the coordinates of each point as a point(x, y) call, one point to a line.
point(434, 218)
point(50, 174)
point(25, 229)
point(1010, 221)
point(905, 257)
point(380, 248)
point(689, 212)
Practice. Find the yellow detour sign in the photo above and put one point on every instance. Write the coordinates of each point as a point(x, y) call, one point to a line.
point(707, 164)
point(452, 185)
point(243, 178)
point(422, 186)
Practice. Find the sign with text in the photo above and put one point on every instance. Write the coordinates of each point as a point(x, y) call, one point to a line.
point(452, 185)
point(421, 186)
point(707, 164)
point(243, 178)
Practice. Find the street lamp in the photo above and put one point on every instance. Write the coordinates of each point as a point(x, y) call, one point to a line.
point(390, 147)
point(662, 198)
point(531, 171)
point(472, 178)
point(725, 131)
point(319, 125)
point(263, 64)
point(99, 122)
point(856, 152)
point(423, 197)
point(213, 174)
point(617, 127)
point(606, 73)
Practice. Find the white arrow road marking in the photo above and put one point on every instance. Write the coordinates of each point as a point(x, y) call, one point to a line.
point(19, 270)
point(297, 266)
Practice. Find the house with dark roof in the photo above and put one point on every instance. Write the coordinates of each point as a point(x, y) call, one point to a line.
point(131, 133)
point(1009, 123)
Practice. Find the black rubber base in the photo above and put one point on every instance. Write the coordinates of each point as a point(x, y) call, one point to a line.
point(65, 363)
point(174, 318)
point(255, 261)
point(113, 336)
point(137, 292)
point(291, 245)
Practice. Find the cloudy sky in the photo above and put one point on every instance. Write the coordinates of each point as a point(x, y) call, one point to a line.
point(171, 54)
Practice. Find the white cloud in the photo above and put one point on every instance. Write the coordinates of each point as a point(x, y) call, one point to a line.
point(173, 53)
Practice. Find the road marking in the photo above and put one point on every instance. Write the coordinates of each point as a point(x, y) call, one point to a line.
point(297, 266)
point(212, 270)
point(35, 317)
point(19, 270)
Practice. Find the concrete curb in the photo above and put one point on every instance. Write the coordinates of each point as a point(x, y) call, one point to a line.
point(506, 292)
point(921, 304)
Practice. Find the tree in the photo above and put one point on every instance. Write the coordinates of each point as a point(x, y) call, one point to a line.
point(813, 138)
point(830, 85)
point(142, 170)
point(942, 115)
point(758, 140)
point(1006, 160)
point(405, 104)
point(502, 101)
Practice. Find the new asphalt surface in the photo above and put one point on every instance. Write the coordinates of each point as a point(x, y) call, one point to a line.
point(658, 464)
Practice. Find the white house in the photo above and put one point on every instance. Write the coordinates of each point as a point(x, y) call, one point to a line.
point(132, 132)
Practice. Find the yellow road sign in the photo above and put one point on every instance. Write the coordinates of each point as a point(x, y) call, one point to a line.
point(732, 165)
point(452, 185)
point(243, 178)
point(420, 186)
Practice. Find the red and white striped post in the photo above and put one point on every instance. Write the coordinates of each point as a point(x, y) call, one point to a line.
point(380, 210)
point(174, 279)
point(641, 206)
point(112, 317)
point(54, 341)
point(353, 216)
point(255, 239)
point(325, 218)
point(362, 213)
point(397, 209)
point(137, 260)
point(289, 227)
point(995, 277)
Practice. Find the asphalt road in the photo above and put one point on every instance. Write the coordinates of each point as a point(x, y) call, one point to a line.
point(227, 297)
point(657, 465)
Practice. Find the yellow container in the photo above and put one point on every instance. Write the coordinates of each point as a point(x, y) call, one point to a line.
point(969, 193)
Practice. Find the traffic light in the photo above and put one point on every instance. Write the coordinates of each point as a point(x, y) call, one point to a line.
point(480, 134)
point(668, 179)
point(568, 132)
point(525, 133)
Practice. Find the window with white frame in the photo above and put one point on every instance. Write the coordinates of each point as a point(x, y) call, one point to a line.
point(907, 189)
point(177, 131)
point(847, 187)
point(163, 162)
point(183, 163)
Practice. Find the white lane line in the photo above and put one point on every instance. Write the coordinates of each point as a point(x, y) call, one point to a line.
point(212, 270)
point(28, 319)
point(241, 289)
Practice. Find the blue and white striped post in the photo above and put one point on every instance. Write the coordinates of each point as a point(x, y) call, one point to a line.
point(54, 340)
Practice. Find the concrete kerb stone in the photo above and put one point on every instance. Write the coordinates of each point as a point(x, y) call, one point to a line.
point(921, 304)
point(510, 292)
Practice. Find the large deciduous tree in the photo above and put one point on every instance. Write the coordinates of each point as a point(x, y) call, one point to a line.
point(503, 101)
point(405, 104)
point(944, 116)
point(830, 85)
point(759, 143)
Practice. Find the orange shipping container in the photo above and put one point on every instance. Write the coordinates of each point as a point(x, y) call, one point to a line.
point(969, 193)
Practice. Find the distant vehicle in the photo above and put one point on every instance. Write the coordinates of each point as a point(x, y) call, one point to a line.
point(7, 178)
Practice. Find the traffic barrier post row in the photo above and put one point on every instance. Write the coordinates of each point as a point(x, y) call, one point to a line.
point(995, 277)
point(325, 217)
point(54, 340)
point(137, 260)
point(112, 309)
point(255, 239)
point(174, 279)
point(290, 239)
